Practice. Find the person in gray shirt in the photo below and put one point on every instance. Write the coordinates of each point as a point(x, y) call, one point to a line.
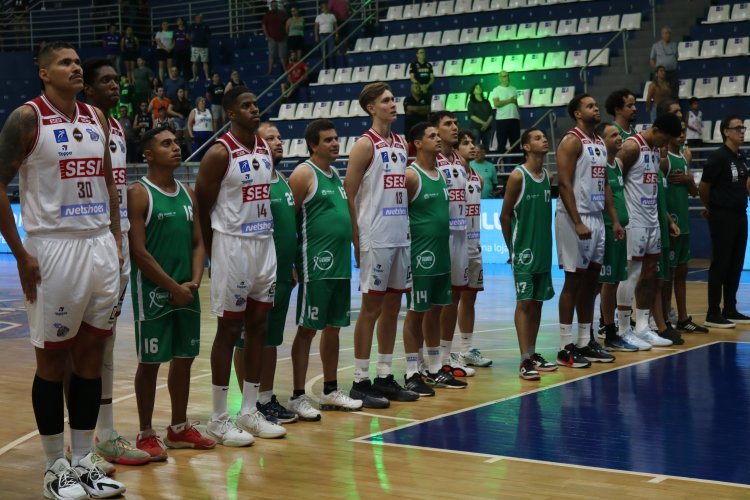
point(664, 53)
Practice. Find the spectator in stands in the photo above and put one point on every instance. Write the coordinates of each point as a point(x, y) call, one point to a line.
point(215, 95)
point(200, 126)
point(480, 116)
point(155, 84)
point(126, 122)
point(694, 125)
point(164, 40)
point(142, 77)
point(664, 53)
point(199, 36)
point(416, 107)
point(181, 53)
point(111, 44)
point(130, 47)
point(162, 120)
point(174, 83)
point(126, 95)
point(158, 102)
point(295, 32)
point(340, 9)
point(420, 72)
point(325, 24)
point(658, 91)
point(234, 81)
point(179, 110)
point(507, 118)
point(142, 122)
point(297, 77)
point(487, 170)
point(274, 28)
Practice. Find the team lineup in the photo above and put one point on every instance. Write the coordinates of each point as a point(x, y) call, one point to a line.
point(621, 229)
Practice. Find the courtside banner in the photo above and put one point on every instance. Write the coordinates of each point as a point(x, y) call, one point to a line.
point(19, 225)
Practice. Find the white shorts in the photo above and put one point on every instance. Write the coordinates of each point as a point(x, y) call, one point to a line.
point(242, 270)
point(459, 259)
point(124, 272)
point(199, 54)
point(643, 241)
point(79, 288)
point(384, 270)
point(573, 253)
point(476, 273)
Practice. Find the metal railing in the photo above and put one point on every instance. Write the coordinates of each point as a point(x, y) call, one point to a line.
point(583, 74)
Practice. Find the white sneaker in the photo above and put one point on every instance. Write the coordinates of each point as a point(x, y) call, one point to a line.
point(629, 337)
point(652, 338)
point(106, 467)
point(457, 364)
point(303, 408)
point(256, 424)
point(225, 432)
point(61, 482)
point(94, 481)
point(652, 322)
point(474, 358)
point(339, 400)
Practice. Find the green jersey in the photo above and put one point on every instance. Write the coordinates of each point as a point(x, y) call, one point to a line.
point(429, 225)
point(677, 195)
point(325, 229)
point(531, 225)
point(661, 203)
point(617, 184)
point(169, 240)
point(625, 134)
point(284, 227)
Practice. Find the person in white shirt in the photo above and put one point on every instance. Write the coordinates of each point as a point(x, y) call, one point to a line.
point(694, 125)
point(325, 24)
point(507, 120)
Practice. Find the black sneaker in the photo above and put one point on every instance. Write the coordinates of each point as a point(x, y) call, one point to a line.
point(572, 357)
point(527, 370)
point(415, 383)
point(388, 387)
point(444, 379)
point(716, 320)
point(595, 353)
point(370, 397)
point(688, 326)
point(737, 317)
point(542, 364)
point(602, 333)
point(673, 335)
point(275, 411)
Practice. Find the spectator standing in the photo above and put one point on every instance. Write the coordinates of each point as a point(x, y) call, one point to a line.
point(130, 48)
point(174, 83)
point(420, 72)
point(143, 121)
point(199, 36)
point(507, 118)
point(480, 116)
point(215, 95)
point(234, 81)
point(325, 24)
point(111, 43)
point(658, 92)
point(178, 111)
point(142, 77)
point(487, 170)
point(164, 40)
point(297, 77)
point(162, 120)
point(181, 48)
point(274, 28)
point(694, 125)
point(664, 53)
point(126, 122)
point(126, 95)
point(200, 126)
point(155, 84)
point(340, 9)
point(295, 32)
point(416, 108)
point(158, 102)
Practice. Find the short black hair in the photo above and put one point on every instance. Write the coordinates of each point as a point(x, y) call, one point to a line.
point(436, 116)
point(313, 130)
point(526, 137)
point(669, 124)
point(663, 107)
point(575, 104)
point(693, 99)
point(150, 135)
point(616, 100)
point(230, 98)
point(416, 133)
point(725, 124)
point(92, 66)
point(599, 129)
point(466, 132)
point(49, 49)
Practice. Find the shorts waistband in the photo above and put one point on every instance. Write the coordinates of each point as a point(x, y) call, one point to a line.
point(70, 235)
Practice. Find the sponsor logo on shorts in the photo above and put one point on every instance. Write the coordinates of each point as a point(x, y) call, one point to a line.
point(394, 211)
point(323, 261)
point(525, 257)
point(472, 235)
point(62, 330)
point(194, 342)
point(158, 298)
point(425, 260)
point(61, 311)
point(256, 227)
point(239, 300)
point(242, 285)
point(378, 268)
point(457, 222)
point(83, 209)
point(61, 135)
point(376, 281)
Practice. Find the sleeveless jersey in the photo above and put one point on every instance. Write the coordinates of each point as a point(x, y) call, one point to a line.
point(623, 133)
point(428, 223)
point(169, 240)
point(617, 184)
point(591, 170)
point(62, 178)
point(118, 154)
point(641, 188)
point(678, 195)
point(203, 121)
point(325, 229)
point(473, 206)
point(284, 227)
point(531, 226)
point(243, 207)
point(455, 177)
point(382, 209)
point(662, 206)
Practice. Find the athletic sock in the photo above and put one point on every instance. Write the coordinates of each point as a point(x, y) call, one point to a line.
point(525, 356)
point(445, 351)
point(412, 364)
point(623, 319)
point(105, 423)
point(384, 365)
point(219, 395)
point(84, 398)
point(265, 397)
point(80, 444)
point(361, 369)
point(297, 393)
point(584, 334)
point(641, 319)
point(249, 397)
point(433, 359)
point(566, 335)
point(330, 386)
point(466, 342)
point(53, 446)
point(421, 355)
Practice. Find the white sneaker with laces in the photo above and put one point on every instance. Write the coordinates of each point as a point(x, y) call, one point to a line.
point(94, 481)
point(61, 482)
point(455, 362)
point(225, 432)
point(474, 358)
point(303, 408)
point(652, 338)
point(106, 467)
point(629, 337)
point(652, 322)
point(339, 400)
point(256, 424)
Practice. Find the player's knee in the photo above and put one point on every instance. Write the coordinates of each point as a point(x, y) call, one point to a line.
point(306, 333)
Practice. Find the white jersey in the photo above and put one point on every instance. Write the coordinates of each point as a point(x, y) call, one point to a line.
point(243, 207)
point(641, 186)
point(473, 206)
point(382, 205)
point(590, 174)
point(203, 121)
point(118, 154)
point(455, 177)
point(62, 178)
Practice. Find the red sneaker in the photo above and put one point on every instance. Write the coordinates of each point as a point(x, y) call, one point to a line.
point(189, 437)
point(153, 445)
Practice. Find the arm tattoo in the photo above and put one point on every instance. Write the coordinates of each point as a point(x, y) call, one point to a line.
point(15, 140)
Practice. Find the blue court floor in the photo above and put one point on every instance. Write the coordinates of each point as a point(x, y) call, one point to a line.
point(684, 415)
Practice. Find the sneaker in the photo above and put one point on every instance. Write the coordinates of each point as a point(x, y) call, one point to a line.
point(61, 482)
point(153, 445)
point(652, 338)
point(275, 409)
point(445, 379)
point(370, 397)
point(629, 337)
point(416, 383)
point(542, 364)
point(602, 333)
point(117, 449)
point(595, 353)
point(225, 432)
point(718, 321)
point(188, 437)
point(672, 316)
point(388, 387)
point(688, 326)
point(303, 408)
point(619, 344)
point(474, 358)
point(527, 371)
point(458, 369)
point(572, 358)
point(737, 317)
point(94, 481)
point(105, 466)
point(652, 322)
point(672, 335)
point(338, 400)
point(259, 426)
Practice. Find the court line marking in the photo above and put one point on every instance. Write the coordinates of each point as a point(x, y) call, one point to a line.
point(376, 415)
point(660, 479)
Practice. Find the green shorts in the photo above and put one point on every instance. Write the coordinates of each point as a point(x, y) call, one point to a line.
point(428, 291)
point(615, 266)
point(276, 316)
point(536, 286)
point(663, 267)
point(680, 250)
point(322, 303)
point(175, 335)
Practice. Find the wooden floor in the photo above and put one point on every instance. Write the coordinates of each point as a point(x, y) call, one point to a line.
point(321, 460)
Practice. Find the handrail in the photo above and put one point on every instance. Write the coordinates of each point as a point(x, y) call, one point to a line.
point(552, 120)
point(583, 74)
point(652, 3)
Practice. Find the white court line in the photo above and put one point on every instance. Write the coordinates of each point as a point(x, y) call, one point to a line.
point(377, 415)
point(660, 479)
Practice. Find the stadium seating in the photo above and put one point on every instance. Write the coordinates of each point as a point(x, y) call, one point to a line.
point(732, 86)
point(322, 109)
point(340, 109)
point(706, 87)
point(567, 27)
point(712, 48)
point(688, 50)
point(740, 12)
point(737, 47)
point(718, 14)
point(533, 62)
point(563, 95)
point(541, 97)
point(685, 88)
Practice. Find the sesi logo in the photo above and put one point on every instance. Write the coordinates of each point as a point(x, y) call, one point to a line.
point(649, 177)
point(456, 195)
point(120, 176)
point(81, 167)
point(394, 181)
point(256, 193)
point(472, 210)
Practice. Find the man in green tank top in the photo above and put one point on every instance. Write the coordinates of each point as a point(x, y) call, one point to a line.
point(324, 265)
point(621, 105)
point(526, 220)
point(167, 255)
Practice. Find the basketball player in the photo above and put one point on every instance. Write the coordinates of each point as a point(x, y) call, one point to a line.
point(324, 296)
point(68, 264)
point(430, 256)
point(233, 191)
point(102, 90)
point(621, 105)
point(526, 220)
point(168, 257)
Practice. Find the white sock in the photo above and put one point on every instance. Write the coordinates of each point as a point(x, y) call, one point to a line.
point(584, 334)
point(412, 364)
point(421, 355)
point(466, 344)
point(361, 369)
point(178, 427)
point(445, 351)
point(249, 397)
point(54, 447)
point(623, 320)
point(641, 319)
point(566, 335)
point(265, 397)
point(80, 444)
point(219, 394)
point(433, 359)
point(105, 422)
point(384, 365)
